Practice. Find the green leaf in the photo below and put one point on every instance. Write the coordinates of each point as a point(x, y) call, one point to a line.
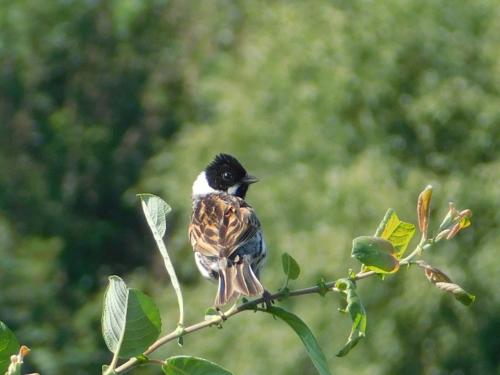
point(210, 313)
point(312, 347)
point(8, 346)
point(375, 253)
point(130, 320)
point(186, 365)
point(352, 341)
point(156, 210)
point(398, 233)
point(141, 359)
point(290, 266)
point(357, 313)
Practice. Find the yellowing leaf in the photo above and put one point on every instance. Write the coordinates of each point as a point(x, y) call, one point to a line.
point(398, 233)
point(465, 222)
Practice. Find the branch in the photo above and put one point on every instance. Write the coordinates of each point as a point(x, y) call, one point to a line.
point(454, 221)
point(246, 306)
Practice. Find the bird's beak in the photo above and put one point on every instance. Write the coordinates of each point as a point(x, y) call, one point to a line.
point(249, 179)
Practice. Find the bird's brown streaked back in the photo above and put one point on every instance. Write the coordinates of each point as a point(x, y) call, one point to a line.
point(220, 224)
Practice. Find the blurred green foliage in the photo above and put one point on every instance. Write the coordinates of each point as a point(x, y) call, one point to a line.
point(343, 108)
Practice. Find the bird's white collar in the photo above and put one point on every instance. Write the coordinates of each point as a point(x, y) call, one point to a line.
point(201, 186)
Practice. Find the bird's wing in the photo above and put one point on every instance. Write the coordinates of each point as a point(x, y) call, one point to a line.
point(220, 224)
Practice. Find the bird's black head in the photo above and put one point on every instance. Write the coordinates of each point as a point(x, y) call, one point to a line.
point(225, 173)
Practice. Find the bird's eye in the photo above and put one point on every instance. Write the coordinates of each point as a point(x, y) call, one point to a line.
point(227, 176)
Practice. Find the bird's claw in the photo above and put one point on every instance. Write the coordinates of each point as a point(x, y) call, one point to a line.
point(221, 314)
point(268, 301)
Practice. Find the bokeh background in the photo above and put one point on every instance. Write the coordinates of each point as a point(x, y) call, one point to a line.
point(342, 108)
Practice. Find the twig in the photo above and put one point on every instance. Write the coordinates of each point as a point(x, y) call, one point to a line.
point(249, 305)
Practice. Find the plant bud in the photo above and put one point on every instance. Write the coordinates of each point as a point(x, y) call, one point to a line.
point(452, 212)
point(442, 235)
point(423, 209)
point(453, 223)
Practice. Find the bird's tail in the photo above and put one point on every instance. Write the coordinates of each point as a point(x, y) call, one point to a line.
point(236, 279)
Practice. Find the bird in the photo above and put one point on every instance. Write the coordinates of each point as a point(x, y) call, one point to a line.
point(225, 233)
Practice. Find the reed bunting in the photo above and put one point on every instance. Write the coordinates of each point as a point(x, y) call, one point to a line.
point(225, 232)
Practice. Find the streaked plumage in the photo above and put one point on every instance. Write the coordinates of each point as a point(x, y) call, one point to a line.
point(225, 232)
